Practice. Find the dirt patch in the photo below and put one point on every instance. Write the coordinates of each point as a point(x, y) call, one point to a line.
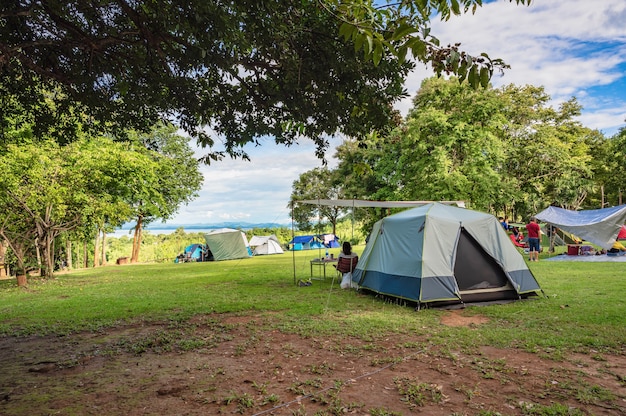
point(222, 364)
point(456, 318)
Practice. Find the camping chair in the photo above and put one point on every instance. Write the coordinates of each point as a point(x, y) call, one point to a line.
point(345, 265)
point(517, 243)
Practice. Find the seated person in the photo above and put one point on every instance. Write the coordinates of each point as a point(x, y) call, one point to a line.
point(518, 236)
point(346, 263)
point(517, 242)
point(518, 239)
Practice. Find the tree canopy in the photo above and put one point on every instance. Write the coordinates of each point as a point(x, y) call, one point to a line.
point(503, 150)
point(91, 185)
point(244, 68)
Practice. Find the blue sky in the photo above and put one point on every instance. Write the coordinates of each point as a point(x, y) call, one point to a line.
point(570, 47)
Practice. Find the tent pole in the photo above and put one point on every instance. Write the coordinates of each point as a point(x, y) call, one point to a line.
point(293, 252)
point(319, 226)
point(353, 219)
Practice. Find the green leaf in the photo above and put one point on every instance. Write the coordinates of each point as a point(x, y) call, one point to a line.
point(401, 53)
point(378, 52)
point(462, 71)
point(454, 58)
point(418, 48)
point(346, 30)
point(473, 76)
point(485, 75)
point(402, 31)
point(369, 45)
point(454, 5)
point(358, 41)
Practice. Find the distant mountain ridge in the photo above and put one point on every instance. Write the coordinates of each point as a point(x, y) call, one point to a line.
point(198, 226)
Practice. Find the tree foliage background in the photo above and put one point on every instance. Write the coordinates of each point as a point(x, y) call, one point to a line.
point(501, 150)
point(245, 69)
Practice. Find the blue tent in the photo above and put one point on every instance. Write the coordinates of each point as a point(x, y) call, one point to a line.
point(305, 242)
point(193, 252)
point(330, 240)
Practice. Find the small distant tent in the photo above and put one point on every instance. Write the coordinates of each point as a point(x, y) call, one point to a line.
point(227, 244)
point(305, 242)
point(440, 254)
point(330, 240)
point(262, 245)
point(194, 252)
point(598, 226)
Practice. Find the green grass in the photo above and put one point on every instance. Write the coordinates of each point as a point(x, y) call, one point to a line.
point(583, 309)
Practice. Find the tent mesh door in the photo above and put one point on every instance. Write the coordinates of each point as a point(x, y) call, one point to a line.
point(474, 268)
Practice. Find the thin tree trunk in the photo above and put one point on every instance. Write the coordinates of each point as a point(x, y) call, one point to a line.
point(602, 196)
point(3, 251)
point(38, 253)
point(134, 258)
point(78, 256)
point(85, 265)
point(96, 252)
point(68, 253)
point(48, 255)
point(104, 240)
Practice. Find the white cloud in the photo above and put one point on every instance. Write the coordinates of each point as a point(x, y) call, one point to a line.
point(251, 191)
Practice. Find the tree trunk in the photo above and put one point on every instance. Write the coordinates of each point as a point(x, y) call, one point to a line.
point(49, 255)
point(96, 252)
point(601, 196)
point(3, 251)
point(85, 264)
point(21, 280)
point(104, 251)
point(38, 252)
point(134, 258)
point(68, 253)
point(78, 256)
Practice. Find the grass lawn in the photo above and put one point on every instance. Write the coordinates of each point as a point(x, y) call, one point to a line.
point(584, 307)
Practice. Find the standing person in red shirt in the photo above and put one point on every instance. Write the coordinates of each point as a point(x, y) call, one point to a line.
point(534, 234)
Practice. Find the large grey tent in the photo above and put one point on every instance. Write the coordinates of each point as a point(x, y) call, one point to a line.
point(599, 226)
point(443, 254)
point(227, 244)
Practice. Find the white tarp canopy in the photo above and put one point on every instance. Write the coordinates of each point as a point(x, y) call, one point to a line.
point(598, 226)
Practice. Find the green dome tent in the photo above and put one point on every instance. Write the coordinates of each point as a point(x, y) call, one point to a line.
point(227, 244)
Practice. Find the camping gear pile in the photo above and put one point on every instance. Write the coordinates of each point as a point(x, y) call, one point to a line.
point(194, 252)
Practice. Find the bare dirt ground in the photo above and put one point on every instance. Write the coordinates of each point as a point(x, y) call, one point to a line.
point(230, 365)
